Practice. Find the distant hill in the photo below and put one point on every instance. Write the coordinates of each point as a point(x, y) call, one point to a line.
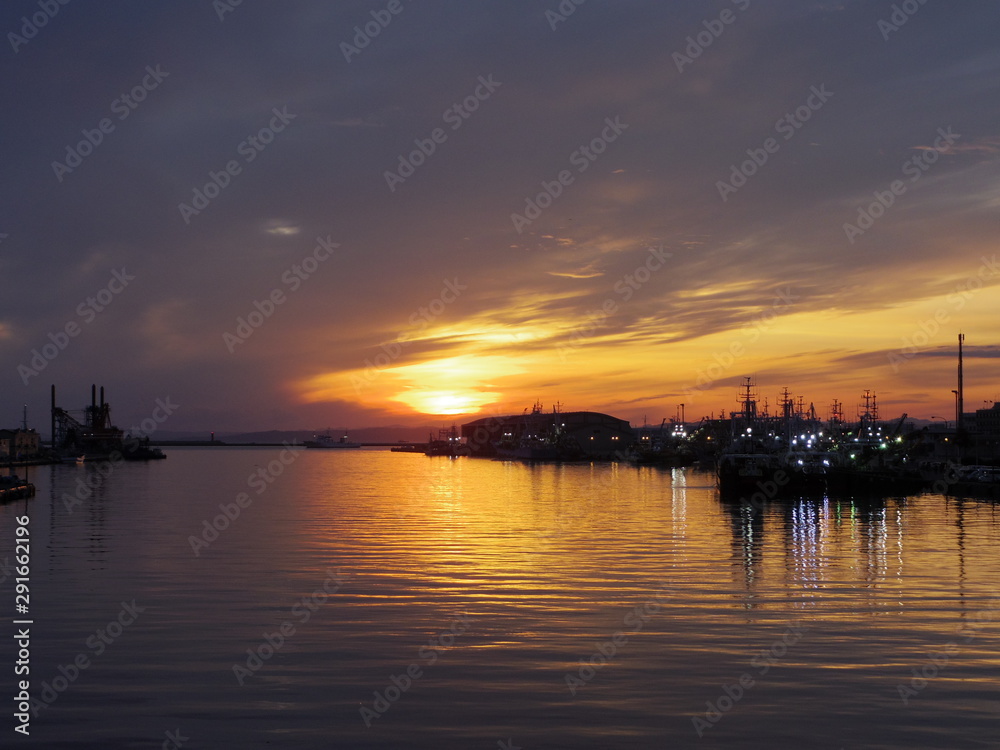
point(390, 434)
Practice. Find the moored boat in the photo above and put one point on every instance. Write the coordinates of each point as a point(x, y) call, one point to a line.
point(447, 443)
point(14, 488)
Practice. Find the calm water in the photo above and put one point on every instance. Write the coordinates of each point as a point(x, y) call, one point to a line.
point(491, 582)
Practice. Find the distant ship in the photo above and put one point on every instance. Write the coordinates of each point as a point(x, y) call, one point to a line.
point(327, 441)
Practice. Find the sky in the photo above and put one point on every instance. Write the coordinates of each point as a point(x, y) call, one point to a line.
point(298, 214)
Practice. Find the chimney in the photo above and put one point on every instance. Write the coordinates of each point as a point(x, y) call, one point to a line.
point(960, 405)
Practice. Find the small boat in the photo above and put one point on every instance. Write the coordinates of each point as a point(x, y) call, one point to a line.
point(13, 488)
point(327, 441)
point(139, 449)
point(409, 447)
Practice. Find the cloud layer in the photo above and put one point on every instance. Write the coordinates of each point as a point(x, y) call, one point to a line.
point(633, 281)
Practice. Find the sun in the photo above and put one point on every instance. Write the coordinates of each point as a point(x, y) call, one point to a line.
point(447, 403)
point(464, 384)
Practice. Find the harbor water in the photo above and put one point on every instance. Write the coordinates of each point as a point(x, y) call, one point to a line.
point(268, 598)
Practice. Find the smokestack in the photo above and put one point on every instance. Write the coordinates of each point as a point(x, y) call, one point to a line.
point(102, 398)
point(53, 413)
point(960, 406)
point(93, 395)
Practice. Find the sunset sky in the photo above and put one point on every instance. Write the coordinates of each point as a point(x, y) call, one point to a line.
point(690, 224)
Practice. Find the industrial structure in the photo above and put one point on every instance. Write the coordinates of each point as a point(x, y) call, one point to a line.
point(92, 436)
point(537, 435)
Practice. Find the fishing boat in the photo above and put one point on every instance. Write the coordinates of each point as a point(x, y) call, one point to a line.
point(789, 451)
point(447, 443)
point(538, 438)
point(662, 448)
point(748, 460)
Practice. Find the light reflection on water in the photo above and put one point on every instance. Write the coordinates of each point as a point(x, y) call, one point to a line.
point(548, 562)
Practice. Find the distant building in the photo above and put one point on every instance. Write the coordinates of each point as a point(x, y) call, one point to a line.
point(983, 442)
point(19, 443)
point(592, 434)
point(987, 421)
